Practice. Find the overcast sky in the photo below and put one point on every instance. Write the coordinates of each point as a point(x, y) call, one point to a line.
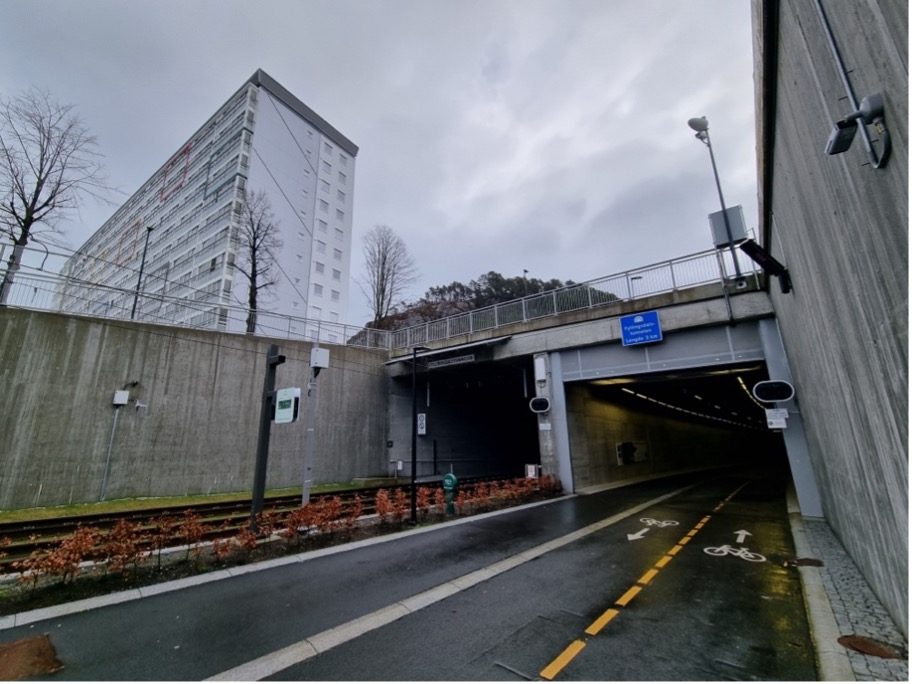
point(547, 135)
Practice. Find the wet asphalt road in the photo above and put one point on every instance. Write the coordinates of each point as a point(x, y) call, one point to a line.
point(687, 615)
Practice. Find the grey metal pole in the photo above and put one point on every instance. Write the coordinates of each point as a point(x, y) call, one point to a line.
point(142, 265)
point(310, 446)
point(104, 477)
point(719, 189)
point(413, 518)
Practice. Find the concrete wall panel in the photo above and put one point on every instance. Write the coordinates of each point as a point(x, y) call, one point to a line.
point(194, 429)
point(841, 226)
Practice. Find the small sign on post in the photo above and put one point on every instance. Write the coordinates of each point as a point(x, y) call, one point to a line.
point(287, 401)
point(422, 424)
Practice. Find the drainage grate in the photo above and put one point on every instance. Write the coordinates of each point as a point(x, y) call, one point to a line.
point(869, 646)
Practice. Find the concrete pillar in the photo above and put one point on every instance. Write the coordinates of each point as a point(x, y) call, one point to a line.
point(800, 461)
point(554, 449)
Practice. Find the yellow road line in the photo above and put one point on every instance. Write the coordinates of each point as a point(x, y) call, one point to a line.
point(601, 622)
point(674, 550)
point(559, 663)
point(628, 595)
point(661, 563)
point(648, 575)
point(684, 540)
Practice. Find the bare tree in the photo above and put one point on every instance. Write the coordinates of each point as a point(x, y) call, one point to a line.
point(259, 243)
point(389, 270)
point(48, 160)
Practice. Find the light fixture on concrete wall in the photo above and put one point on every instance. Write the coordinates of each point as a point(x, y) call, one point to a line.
point(771, 266)
point(871, 111)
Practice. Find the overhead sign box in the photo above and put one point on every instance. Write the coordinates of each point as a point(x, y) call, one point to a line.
point(641, 328)
point(736, 226)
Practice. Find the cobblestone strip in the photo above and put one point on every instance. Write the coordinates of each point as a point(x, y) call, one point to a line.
point(855, 606)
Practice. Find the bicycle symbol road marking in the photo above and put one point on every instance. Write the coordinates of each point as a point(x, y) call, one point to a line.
point(659, 523)
point(742, 553)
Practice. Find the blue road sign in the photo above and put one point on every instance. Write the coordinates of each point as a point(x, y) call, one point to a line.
point(641, 328)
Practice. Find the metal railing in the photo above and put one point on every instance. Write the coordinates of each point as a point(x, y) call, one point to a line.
point(202, 309)
point(668, 276)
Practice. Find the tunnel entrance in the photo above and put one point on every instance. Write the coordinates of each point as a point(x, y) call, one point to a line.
point(628, 427)
point(477, 420)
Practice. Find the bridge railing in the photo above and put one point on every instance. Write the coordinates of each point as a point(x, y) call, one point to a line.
point(667, 276)
point(36, 289)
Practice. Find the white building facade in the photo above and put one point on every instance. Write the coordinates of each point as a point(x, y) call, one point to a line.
point(167, 254)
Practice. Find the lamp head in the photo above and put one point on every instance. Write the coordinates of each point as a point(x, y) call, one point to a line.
point(699, 124)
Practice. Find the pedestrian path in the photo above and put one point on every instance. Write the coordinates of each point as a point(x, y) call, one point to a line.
point(855, 608)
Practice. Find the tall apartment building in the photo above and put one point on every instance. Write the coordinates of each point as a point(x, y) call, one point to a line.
point(189, 211)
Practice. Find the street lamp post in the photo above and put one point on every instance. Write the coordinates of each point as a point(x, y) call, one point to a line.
point(702, 126)
point(413, 519)
point(142, 265)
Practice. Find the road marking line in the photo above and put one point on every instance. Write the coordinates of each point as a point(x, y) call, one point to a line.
point(648, 575)
point(272, 663)
point(628, 595)
point(561, 661)
point(705, 519)
point(601, 622)
point(674, 550)
point(661, 563)
point(692, 533)
point(684, 540)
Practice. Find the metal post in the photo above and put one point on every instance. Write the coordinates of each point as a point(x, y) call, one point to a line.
point(142, 265)
point(104, 477)
point(413, 518)
point(719, 189)
point(310, 446)
point(273, 359)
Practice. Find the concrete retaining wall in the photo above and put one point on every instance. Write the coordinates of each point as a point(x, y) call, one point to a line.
point(195, 430)
point(841, 226)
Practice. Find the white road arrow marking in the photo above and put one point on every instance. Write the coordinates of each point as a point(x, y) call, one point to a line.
point(741, 534)
point(639, 535)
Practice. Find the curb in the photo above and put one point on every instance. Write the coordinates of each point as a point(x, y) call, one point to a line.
point(833, 662)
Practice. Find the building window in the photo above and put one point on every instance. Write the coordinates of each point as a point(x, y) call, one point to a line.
point(342, 177)
point(338, 234)
point(337, 254)
point(321, 247)
point(297, 281)
point(327, 148)
point(326, 167)
point(340, 215)
point(342, 159)
point(324, 207)
point(318, 289)
point(337, 274)
point(324, 186)
point(321, 225)
point(334, 316)
point(294, 304)
point(340, 195)
point(300, 235)
point(318, 266)
point(299, 258)
point(334, 295)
